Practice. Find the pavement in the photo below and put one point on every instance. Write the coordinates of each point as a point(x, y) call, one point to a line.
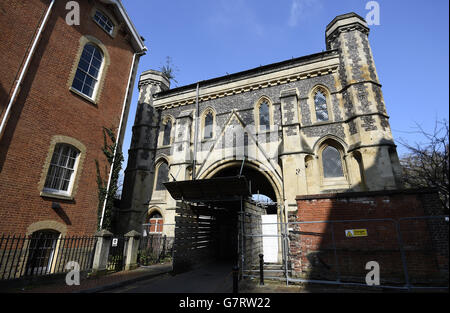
point(158, 278)
point(96, 283)
point(210, 278)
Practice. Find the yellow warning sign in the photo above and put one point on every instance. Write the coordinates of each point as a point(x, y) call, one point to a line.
point(356, 232)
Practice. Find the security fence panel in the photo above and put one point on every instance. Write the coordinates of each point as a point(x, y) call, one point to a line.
point(408, 253)
point(312, 251)
point(425, 241)
point(359, 244)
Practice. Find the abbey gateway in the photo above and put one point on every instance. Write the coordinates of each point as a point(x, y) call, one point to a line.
point(311, 125)
point(290, 161)
point(229, 166)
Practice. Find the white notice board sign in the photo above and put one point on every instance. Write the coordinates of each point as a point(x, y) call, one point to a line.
point(270, 244)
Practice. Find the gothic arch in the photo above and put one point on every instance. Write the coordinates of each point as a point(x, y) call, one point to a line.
point(257, 106)
point(164, 120)
point(339, 182)
point(312, 107)
point(159, 162)
point(331, 139)
point(154, 209)
point(205, 112)
point(253, 164)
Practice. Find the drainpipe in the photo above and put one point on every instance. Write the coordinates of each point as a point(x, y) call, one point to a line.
point(126, 100)
point(25, 69)
point(194, 174)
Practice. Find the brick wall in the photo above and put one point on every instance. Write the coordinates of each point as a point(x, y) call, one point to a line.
point(323, 251)
point(45, 107)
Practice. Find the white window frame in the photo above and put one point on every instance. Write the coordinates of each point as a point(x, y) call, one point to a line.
point(96, 79)
point(105, 19)
point(157, 219)
point(67, 192)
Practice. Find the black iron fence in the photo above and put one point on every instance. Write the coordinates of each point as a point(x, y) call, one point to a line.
point(155, 248)
point(43, 254)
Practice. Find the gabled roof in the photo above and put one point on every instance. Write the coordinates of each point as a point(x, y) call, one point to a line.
point(138, 43)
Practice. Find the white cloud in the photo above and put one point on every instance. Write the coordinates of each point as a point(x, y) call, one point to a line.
point(300, 9)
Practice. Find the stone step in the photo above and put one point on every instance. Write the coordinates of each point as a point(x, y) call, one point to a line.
point(270, 270)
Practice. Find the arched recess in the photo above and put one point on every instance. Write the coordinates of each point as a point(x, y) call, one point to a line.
point(166, 133)
point(357, 170)
point(208, 124)
point(309, 172)
point(332, 163)
point(48, 224)
point(161, 169)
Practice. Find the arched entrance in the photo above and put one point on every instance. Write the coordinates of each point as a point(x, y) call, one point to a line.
point(217, 218)
point(264, 192)
point(263, 180)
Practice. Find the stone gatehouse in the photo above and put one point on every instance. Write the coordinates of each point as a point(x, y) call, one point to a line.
point(309, 125)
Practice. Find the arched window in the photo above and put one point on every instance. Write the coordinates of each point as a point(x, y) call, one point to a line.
point(41, 252)
point(167, 133)
point(156, 223)
point(264, 115)
point(320, 103)
point(209, 122)
point(87, 74)
point(162, 176)
point(332, 163)
point(62, 166)
point(104, 22)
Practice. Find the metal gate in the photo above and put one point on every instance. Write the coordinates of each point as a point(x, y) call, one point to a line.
point(117, 254)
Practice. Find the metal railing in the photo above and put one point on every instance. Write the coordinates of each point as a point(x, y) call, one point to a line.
point(155, 246)
point(43, 254)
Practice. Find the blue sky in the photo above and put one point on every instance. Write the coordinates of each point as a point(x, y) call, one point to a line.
point(207, 39)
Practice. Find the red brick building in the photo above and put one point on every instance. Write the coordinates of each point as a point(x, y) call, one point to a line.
point(60, 84)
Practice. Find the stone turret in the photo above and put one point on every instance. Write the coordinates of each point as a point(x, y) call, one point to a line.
point(363, 104)
point(139, 174)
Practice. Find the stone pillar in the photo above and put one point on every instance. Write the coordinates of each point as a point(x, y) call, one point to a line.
point(132, 249)
point(100, 262)
point(363, 103)
point(292, 157)
point(139, 174)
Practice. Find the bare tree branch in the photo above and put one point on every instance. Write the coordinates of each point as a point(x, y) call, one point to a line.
point(427, 163)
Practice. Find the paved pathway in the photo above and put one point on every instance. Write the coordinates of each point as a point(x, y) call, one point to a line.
point(213, 278)
point(95, 284)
